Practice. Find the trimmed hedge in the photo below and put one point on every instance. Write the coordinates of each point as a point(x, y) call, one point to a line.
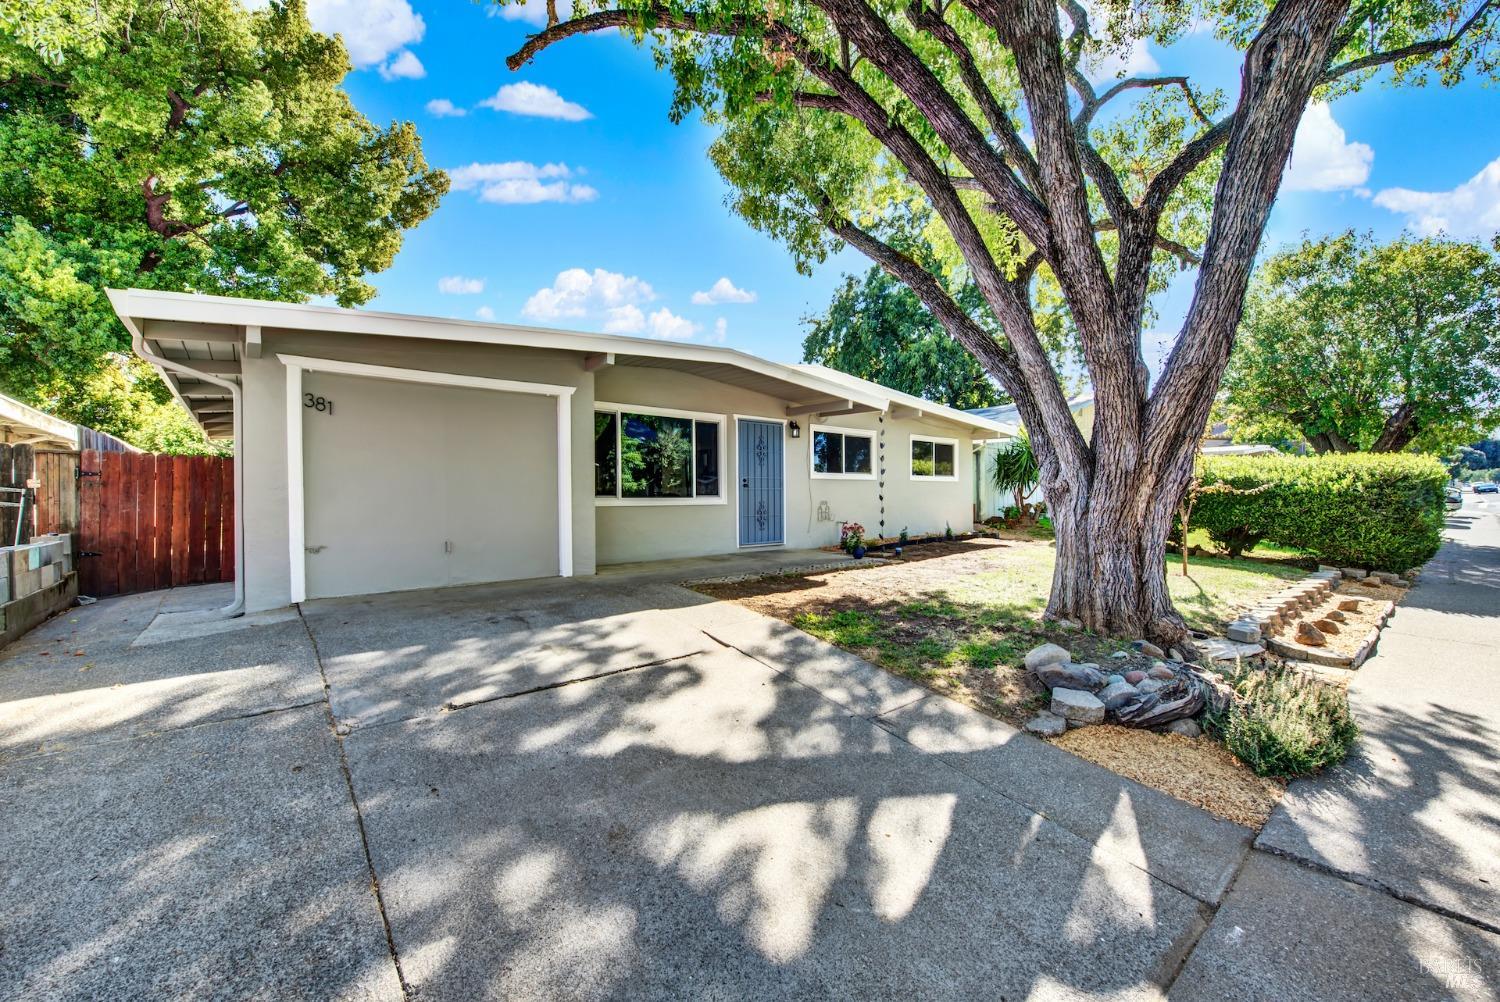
point(1380, 511)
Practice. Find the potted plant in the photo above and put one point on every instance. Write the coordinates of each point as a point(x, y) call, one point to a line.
point(853, 539)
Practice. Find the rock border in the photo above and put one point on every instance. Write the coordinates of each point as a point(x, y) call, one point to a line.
point(1281, 608)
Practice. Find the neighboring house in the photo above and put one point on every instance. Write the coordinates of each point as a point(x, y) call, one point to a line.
point(989, 502)
point(22, 424)
point(380, 452)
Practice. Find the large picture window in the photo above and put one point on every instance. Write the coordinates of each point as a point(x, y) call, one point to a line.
point(934, 458)
point(656, 456)
point(837, 452)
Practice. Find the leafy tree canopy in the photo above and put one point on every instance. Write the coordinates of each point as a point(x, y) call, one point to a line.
point(876, 328)
point(188, 145)
point(1364, 347)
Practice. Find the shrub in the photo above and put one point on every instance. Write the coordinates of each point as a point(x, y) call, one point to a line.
point(1286, 724)
point(1382, 511)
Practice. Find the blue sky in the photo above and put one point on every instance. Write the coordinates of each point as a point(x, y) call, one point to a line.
point(583, 207)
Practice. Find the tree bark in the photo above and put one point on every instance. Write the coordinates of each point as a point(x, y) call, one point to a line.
point(1399, 431)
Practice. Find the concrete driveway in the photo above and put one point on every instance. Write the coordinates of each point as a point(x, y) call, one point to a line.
point(596, 788)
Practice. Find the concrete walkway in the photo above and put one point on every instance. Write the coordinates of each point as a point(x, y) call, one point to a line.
point(1382, 877)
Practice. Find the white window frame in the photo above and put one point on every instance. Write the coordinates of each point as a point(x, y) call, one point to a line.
point(623, 502)
point(936, 441)
point(812, 452)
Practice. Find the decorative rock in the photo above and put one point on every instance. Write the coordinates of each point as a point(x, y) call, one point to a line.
point(1327, 626)
point(1187, 728)
point(1349, 605)
point(1047, 725)
point(1243, 632)
point(1147, 648)
point(1335, 616)
point(1174, 655)
point(1354, 573)
point(1115, 679)
point(1070, 676)
point(1134, 677)
point(1220, 649)
point(1073, 725)
point(1115, 696)
point(1386, 577)
point(1045, 655)
point(1310, 635)
point(1077, 704)
point(1120, 655)
point(1150, 685)
point(1161, 672)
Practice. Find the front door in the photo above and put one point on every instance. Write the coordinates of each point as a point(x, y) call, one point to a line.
point(762, 505)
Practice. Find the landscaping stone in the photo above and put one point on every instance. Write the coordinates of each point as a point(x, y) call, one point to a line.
point(1077, 705)
point(1187, 728)
point(1045, 655)
point(1243, 631)
point(1119, 655)
point(1335, 616)
point(1161, 672)
point(1220, 649)
point(1147, 648)
point(1174, 655)
point(1350, 605)
point(1071, 676)
point(1151, 685)
point(1310, 635)
point(1327, 626)
point(1115, 679)
point(1354, 573)
point(1047, 725)
point(1386, 577)
point(1134, 677)
point(1117, 695)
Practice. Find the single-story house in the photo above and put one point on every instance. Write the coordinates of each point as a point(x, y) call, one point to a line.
point(383, 452)
point(989, 502)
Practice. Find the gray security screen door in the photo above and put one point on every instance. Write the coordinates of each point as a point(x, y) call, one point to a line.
point(762, 507)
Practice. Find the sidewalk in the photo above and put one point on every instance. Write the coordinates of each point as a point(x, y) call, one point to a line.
point(1383, 876)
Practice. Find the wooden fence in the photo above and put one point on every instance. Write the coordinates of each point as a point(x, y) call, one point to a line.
point(139, 521)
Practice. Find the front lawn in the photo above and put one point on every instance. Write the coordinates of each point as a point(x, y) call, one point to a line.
point(959, 618)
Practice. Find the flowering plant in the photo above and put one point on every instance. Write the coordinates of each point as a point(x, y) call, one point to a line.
point(853, 535)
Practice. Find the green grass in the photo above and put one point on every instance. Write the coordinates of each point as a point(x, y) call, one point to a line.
point(1270, 551)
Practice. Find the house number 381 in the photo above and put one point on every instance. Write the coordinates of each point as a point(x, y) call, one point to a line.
point(317, 403)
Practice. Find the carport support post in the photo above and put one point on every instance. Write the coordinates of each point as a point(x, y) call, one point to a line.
point(296, 529)
point(564, 484)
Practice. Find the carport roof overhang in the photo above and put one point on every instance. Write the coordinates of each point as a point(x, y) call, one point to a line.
point(211, 334)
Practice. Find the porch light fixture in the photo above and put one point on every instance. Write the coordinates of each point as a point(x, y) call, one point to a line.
point(795, 429)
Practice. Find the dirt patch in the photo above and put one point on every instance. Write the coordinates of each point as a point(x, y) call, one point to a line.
point(1198, 770)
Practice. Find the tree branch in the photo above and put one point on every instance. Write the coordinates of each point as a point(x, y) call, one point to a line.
point(1091, 108)
point(810, 99)
point(1179, 250)
point(1413, 51)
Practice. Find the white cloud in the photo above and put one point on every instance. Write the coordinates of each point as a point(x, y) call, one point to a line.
point(722, 291)
point(405, 66)
point(578, 293)
point(1322, 159)
point(458, 285)
point(441, 107)
point(485, 313)
point(527, 98)
point(1471, 210)
point(721, 331)
point(1131, 61)
point(530, 11)
point(517, 182)
point(627, 319)
point(668, 326)
point(372, 29)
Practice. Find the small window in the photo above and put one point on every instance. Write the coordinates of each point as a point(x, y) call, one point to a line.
point(606, 454)
point(933, 459)
point(841, 454)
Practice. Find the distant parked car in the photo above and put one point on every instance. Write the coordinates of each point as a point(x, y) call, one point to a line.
point(1452, 499)
point(1487, 488)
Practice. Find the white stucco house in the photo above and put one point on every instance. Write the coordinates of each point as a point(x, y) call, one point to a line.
point(381, 452)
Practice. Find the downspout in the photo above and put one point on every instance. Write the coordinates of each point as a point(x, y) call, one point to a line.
point(138, 342)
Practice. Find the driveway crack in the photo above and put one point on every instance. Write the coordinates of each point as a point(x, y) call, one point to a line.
point(359, 818)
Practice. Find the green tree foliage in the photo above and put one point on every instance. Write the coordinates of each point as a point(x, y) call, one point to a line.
point(1379, 511)
point(876, 328)
point(187, 145)
point(1015, 468)
point(127, 399)
point(1359, 346)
